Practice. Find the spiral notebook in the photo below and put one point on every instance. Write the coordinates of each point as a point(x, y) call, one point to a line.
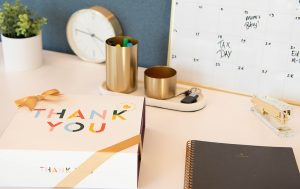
point(229, 166)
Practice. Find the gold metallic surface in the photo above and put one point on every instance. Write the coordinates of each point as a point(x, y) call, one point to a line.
point(189, 161)
point(267, 108)
point(111, 18)
point(160, 82)
point(121, 65)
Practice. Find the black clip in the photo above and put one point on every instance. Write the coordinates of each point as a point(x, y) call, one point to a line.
point(191, 96)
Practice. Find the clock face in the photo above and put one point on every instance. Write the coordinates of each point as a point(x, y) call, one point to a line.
point(87, 31)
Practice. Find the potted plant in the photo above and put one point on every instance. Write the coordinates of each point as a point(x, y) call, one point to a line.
point(21, 37)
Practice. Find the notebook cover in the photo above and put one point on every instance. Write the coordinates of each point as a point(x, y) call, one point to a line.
point(229, 166)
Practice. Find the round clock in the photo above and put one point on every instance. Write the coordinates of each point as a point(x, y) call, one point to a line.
point(87, 31)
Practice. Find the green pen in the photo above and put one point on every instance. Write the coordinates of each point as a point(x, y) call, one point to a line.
point(125, 42)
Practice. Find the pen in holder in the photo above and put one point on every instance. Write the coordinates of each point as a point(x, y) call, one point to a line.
point(121, 64)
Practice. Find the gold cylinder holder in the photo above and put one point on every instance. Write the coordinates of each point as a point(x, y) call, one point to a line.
point(121, 64)
point(160, 82)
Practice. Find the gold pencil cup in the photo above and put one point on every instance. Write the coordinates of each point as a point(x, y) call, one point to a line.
point(121, 64)
point(160, 82)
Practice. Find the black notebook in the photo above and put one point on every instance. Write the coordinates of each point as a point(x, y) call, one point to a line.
point(228, 166)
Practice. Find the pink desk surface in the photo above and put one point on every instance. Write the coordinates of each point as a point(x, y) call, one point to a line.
point(227, 117)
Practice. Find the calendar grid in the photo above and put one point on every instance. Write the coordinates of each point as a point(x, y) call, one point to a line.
point(250, 47)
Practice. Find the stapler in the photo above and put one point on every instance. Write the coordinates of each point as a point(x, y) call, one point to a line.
point(274, 113)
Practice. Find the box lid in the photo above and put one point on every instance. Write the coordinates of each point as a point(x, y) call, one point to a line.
point(75, 123)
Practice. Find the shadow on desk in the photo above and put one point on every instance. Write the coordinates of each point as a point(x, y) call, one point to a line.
point(163, 166)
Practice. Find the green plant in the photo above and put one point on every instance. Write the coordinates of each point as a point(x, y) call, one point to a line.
point(17, 21)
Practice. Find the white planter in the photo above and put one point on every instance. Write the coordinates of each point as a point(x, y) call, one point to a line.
point(22, 54)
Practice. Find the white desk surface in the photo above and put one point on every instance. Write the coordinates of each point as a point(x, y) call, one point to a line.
point(227, 117)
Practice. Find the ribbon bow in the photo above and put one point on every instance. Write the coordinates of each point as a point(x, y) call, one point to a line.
point(31, 101)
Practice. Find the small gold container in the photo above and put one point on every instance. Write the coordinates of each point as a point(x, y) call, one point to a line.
point(160, 82)
point(121, 65)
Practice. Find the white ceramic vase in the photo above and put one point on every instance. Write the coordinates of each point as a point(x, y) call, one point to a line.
point(22, 54)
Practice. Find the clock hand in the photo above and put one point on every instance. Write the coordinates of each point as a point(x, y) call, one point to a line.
point(97, 44)
point(90, 34)
point(84, 32)
point(95, 36)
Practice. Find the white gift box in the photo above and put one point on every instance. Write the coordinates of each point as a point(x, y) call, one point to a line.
point(78, 141)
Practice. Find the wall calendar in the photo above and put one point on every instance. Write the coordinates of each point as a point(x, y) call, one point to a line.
point(246, 46)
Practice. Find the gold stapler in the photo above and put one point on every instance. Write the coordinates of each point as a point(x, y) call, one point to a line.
point(273, 112)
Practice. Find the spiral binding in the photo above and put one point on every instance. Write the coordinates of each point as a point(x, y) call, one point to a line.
point(189, 165)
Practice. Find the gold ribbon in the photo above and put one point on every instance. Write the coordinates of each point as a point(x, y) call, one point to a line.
point(31, 101)
point(93, 162)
